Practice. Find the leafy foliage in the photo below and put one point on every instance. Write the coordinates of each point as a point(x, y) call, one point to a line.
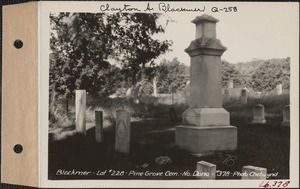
point(172, 76)
point(80, 46)
point(229, 71)
point(268, 75)
point(134, 45)
point(261, 75)
point(84, 45)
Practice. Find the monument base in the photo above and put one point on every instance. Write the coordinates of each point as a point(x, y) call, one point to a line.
point(203, 140)
point(205, 117)
point(262, 121)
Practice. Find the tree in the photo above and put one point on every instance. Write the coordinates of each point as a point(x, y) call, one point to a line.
point(80, 46)
point(268, 75)
point(83, 45)
point(230, 72)
point(172, 76)
point(135, 47)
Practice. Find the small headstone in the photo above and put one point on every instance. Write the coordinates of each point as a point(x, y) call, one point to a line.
point(80, 105)
point(99, 126)
point(226, 95)
point(258, 94)
point(122, 143)
point(286, 116)
point(244, 96)
point(206, 171)
point(279, 89)
point(155, 86)
point(230, 83)
point(254, 173)
point(259, 114)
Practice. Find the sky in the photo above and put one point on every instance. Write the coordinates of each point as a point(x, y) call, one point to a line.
point(253, 32)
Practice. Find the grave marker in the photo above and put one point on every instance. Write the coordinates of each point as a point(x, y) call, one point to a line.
point(80, 105)
point(226, 95)
point(206, 170)
point(230, 83)
point(259, 114)
point(279, 89)
point(244, 96)
point(206, 125)
point(254, 173)
point(99, 126)
point(258, 94)
point(122, 141)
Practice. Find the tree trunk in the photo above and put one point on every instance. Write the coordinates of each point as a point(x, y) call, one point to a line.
point(67, 105)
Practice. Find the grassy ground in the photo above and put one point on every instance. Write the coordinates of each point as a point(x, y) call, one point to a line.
point(258, 145)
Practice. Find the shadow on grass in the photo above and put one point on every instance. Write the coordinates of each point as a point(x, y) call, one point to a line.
point(258, 145)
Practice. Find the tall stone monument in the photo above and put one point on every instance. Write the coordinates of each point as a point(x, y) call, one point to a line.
point(206, 125)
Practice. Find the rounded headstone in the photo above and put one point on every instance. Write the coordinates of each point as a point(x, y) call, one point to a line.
point(259, 114)
point(244, 96)
point(230, 83)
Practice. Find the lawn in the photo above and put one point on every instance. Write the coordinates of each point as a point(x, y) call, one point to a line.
point(265, 146)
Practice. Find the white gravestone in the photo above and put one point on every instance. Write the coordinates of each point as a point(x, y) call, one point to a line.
point(258, 94)
point(122, 141)
point(206, 125)
point(230, 83)
point(254, 173)
point(286, 116)
point(80, 105)
point(206, 171)
point(99, 126)
point(259, 114)
point(155, 86)
point(279, 89)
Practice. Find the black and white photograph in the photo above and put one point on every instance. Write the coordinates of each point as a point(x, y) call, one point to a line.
point(172, 91)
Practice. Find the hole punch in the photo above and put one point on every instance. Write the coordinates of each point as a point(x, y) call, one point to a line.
point(18, 44)
point(18, 148)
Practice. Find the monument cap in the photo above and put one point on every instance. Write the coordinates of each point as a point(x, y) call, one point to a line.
point(204, 18)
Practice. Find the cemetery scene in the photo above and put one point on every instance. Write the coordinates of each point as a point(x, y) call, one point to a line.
point(117, 111)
